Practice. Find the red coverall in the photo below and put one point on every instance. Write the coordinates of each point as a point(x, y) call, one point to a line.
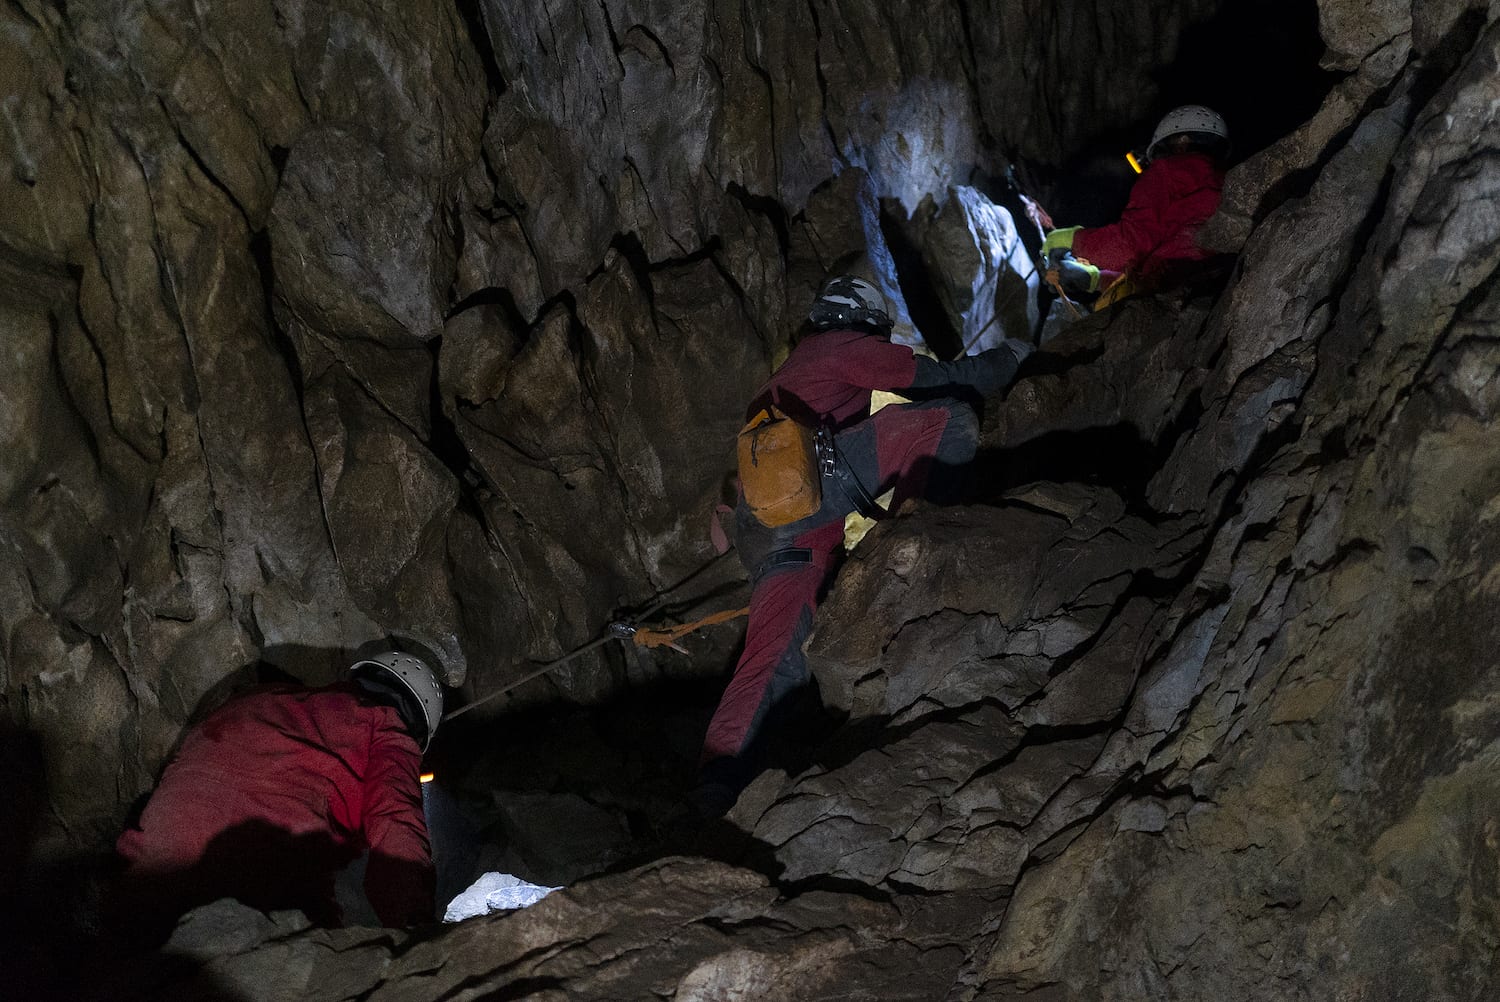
point(827, 380)
point(274, 793)
point(1155, 238)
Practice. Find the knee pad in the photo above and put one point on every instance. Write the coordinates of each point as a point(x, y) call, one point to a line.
point(960, 440)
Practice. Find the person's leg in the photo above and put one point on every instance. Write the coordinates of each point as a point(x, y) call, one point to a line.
point(781, 611)
point(919, 450)
point(783, 598)
point(784, 595)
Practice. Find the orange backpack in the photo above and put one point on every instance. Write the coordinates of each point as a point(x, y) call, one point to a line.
point(779, 468)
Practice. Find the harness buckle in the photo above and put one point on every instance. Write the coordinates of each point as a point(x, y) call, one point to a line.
point(827, 459)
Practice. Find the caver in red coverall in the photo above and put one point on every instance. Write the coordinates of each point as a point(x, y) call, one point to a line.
point(270, 797)
point(1154, 241)
point(918, 449)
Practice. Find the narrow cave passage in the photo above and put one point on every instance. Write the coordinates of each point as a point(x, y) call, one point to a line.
point(554, 794)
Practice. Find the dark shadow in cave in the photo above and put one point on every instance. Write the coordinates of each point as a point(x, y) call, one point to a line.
point(1114, 456)
point(501, 299)
point(627, 764)
point(917, 286)
point(564, 792)
point(472, 13)
point(1256, 64)
point(40, 923)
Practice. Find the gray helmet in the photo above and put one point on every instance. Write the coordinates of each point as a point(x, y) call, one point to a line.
point(1192, 119)
point(413, 676)
point(847, 301)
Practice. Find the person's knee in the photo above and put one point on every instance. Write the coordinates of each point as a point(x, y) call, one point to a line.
point(960, 439)
point(948, 472)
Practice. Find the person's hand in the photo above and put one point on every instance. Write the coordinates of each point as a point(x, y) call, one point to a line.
point(1077, 277)
point(1036, 213)
point(1020, 349)
point(1059, 240)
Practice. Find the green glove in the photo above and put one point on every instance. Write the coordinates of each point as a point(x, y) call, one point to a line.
point(1077, 277)
point(1059, 240)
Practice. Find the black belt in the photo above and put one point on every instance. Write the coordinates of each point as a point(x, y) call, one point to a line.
point(857, 495)
point(837, 469)
point(788, 555)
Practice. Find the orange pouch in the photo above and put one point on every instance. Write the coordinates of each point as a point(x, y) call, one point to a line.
point(779, 469)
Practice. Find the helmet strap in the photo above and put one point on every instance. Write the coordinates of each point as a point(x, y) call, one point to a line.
point(395, 695)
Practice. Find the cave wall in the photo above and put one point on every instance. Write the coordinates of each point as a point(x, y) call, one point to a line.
point(334, 320)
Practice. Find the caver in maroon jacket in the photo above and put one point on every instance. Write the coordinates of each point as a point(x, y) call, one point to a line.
point(916, 449)
point(1155, 238)
point(274, 793)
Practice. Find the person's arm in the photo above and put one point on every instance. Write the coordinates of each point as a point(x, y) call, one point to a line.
point(399, 878)
point(1122, 245)
point(986, 373)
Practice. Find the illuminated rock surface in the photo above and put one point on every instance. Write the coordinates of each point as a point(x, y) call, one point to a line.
point(327, 320)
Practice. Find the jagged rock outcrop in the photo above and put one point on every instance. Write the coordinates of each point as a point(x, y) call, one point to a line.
point(334, 320)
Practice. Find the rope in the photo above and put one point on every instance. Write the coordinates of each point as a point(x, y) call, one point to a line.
point(1048, 275)
point(541, 670)
point(1051, 277)
point(616, 631)
point(669, 637)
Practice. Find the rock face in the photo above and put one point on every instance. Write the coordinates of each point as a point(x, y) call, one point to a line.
point(330, 321)
point(337, 321)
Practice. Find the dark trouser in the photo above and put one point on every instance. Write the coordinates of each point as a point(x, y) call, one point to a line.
point(919, 450)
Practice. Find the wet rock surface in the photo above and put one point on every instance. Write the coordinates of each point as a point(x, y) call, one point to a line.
point(329, 321)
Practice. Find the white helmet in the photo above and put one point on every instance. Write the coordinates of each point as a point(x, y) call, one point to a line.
point(1189, 118)
point(847, 301)
point(414, 677)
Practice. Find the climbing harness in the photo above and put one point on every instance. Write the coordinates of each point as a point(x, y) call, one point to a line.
point(783, 557)
point(840, 472)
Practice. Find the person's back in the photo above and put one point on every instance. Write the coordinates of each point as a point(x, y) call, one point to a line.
point(273, 793)
point(1155, 240)
point(829, 375)
point(918, 449)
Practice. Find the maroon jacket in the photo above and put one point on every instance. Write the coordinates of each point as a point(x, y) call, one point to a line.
point(274, 793)
point(828, 377)
point(1156, 235)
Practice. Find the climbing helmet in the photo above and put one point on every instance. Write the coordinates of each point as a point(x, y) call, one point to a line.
point(1191, 119)
point(412, 675)
point(847, 301)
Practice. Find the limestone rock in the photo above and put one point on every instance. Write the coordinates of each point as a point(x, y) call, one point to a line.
point(1008, 591)
point(1051, 101)
point(405, 74)
point(840, 233)
point(387, 502)
point(359, 248)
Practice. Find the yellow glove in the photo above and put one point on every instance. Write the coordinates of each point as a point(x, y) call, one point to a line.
point(1077, 277)
point(1059, 240)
